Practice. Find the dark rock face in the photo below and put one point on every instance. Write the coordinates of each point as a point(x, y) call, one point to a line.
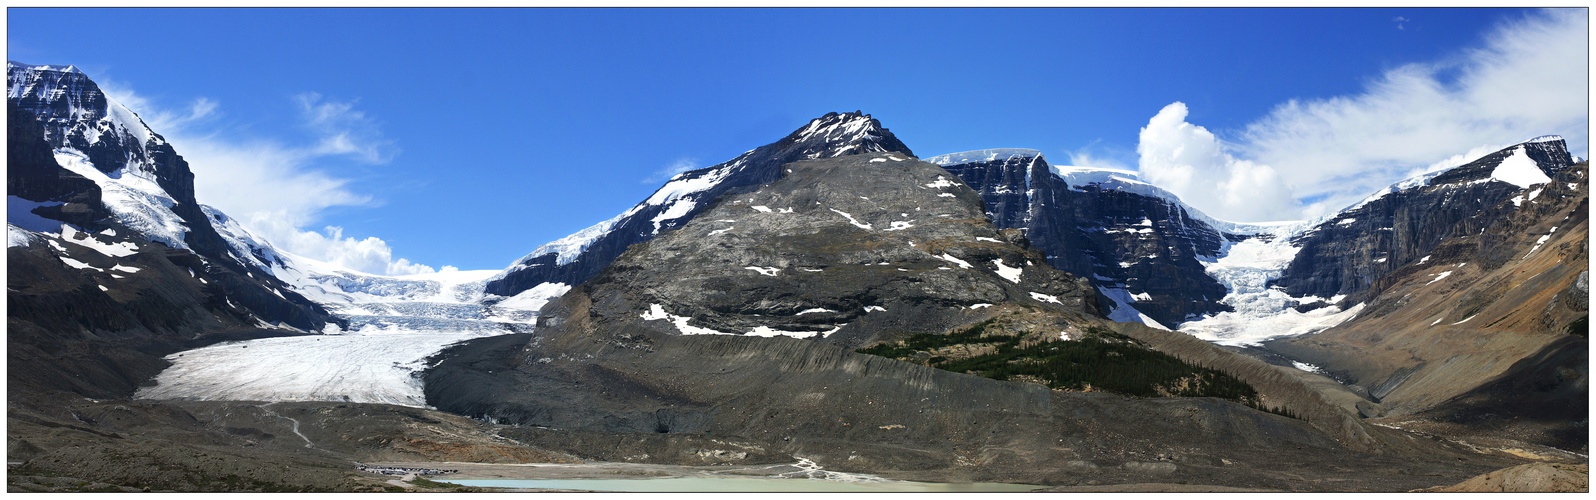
point(33, 174)
point(1148, 244)
point(68, 110)
point(1346, 254)
point(690, 193)
point(86, 321)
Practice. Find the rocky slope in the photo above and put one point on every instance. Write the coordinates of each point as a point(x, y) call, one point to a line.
point(578, 257)
point(732, 328)
point(1472, 339)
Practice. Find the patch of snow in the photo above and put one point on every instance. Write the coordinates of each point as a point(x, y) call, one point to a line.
point(1008, 273)
point(534, 298)
point(979, 306)
point(125, 269)
point(899, 225)
point(77, 263)
point(815, 310)
point(875, 309)
point(1440, 277)
point(1520, 170)
point(946, 195)
point(941, 182)
point(1144, 296)
point(1306, 367)
point(1538, 242)
point(851, 219)
point(103, 288)
point(1437, 321)
point(761, 209)
point(787, 210)
point(1121, 310)
point(983, 238)
point(718, 231)
point(767, 271)
point(878, 160)
point(962, 264)
point(1042, 297)
point(677, 210)
point(765, 331)
point(122, 249)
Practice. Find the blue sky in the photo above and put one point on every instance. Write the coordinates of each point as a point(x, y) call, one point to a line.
point(468, 137)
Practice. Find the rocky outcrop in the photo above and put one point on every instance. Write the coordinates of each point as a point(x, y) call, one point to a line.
point(1527, 478)
point(1347, 253)
point(578, 257)
point(1148, 247)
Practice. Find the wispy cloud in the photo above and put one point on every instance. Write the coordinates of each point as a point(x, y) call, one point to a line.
point(1401, 22)
point(343, 129)
point(1528, 78)
point(270, 184)
point(669, 171)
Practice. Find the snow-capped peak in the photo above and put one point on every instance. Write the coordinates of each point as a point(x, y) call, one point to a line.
point(1546, 138)
point(834, 127)
point(983, 155)
point(42, 67)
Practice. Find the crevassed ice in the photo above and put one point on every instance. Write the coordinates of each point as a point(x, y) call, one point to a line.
point(1261, 312)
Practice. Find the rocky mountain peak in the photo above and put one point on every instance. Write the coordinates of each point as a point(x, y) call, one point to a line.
point(836, 134)
point(575, 258)
point(76, 113)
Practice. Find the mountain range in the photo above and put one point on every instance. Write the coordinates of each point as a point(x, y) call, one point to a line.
point(829, 297)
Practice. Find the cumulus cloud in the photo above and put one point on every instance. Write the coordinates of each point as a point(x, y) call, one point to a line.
point(270, 185)
point(370, 255)
point(1528, 78)
point(669, 171)
point(1311, 157)
point(1189, 161)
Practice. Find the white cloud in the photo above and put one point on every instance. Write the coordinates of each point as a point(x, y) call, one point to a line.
point(343, 129)
point(1189, 161)
point(669, 171)
point(1528, 78)
point(370, 255)
point(270, 186)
